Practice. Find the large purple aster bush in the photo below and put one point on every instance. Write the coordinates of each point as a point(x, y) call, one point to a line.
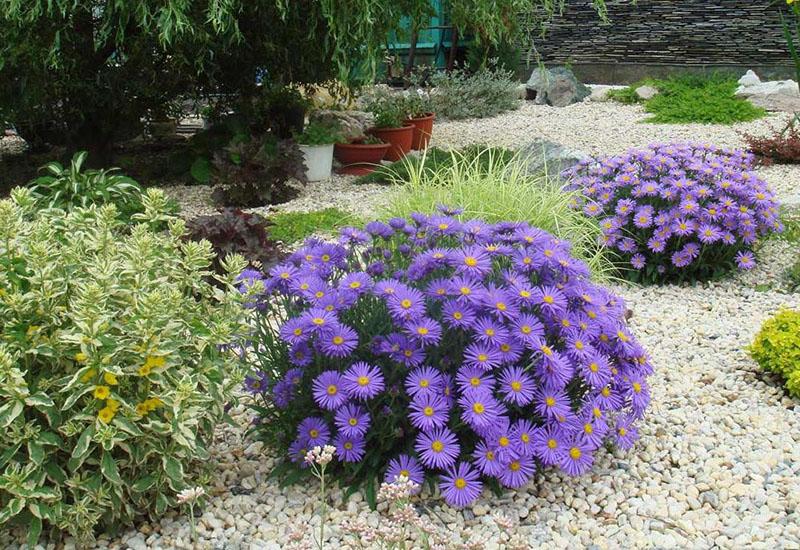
point(449, 351)
point(681, 211)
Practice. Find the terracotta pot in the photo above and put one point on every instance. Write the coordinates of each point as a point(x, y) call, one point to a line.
point(399, 140)
point(359, 158)
point(423, 128)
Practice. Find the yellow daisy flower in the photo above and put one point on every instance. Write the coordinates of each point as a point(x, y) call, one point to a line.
point(88, 375)
point(141, 409)
point(105, 415)
point(112, 404)
point(102, 392)
point(81, 357)
point(153, 403)
point(110, 379)
point(144, 370)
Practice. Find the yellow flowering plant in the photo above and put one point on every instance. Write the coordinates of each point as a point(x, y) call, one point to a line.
point(114, 365)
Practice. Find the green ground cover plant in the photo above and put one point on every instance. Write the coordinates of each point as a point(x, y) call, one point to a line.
point(777, 348)
point(293, 227)
point(692, 99)
point(492, 187)
point(114, 369)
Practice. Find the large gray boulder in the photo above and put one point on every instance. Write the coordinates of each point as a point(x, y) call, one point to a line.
point(543, 156)
point(557, 87)
point(772, 95)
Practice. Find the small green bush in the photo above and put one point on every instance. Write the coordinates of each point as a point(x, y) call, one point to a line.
point(113, 370)
point(692, 99)
point(493, 187)
point(73, 186)
point(292, 227)
point(460, 94)
point(777, 348)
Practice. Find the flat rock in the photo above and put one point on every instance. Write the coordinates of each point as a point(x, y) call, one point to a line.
point(772, 95)
point(543, 155)
point(557, 87)
point(646, 92)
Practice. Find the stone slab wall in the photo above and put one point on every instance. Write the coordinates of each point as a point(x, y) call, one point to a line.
point(670, 33)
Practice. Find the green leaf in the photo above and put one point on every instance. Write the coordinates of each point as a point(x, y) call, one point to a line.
point(173, 468)
point(369, 493)
point(10, 411)
point(34, 531)
point(14, 507)
point(108, 466)
point(144, 483)
point(35, 452)
point(82, 446)
point(6, 456)
point(50, 438)
point(55, 472)
point(162, 503)
point(39, 399)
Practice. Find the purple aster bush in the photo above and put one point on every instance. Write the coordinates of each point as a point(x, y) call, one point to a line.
point(473, 356)
point(681, 211)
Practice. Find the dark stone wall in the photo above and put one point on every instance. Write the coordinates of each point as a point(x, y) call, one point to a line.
point(694, 34)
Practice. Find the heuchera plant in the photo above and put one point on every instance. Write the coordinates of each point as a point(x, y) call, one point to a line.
point(678, 211)
point(442, 349)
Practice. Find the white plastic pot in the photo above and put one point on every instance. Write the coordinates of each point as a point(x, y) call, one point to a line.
point(319, 161)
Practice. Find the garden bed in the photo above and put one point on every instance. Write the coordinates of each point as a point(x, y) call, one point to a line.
point(718, 462)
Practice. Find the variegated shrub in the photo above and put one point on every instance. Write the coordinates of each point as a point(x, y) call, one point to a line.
point(114, 369)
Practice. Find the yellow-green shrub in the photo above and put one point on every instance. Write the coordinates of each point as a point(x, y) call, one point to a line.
point(113, 366)
point(777, 348)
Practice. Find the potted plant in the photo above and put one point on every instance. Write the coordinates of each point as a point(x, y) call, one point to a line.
point(390, 128)
point(316, 142)
point(420, 116)
point(360, 156)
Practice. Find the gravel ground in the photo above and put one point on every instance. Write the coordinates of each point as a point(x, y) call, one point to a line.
point(718, 464)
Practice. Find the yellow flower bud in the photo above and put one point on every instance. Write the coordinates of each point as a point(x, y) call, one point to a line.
point(112, 404)
point(110, 379)
point(88, 375)
point(81, 357)
point(105, 415)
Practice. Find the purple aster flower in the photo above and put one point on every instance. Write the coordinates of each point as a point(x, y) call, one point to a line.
point(510, 352)
point(379, 229)
point(387, 287)
point(550, 404)
point(501, 303)
point(528, 329)
point(522, 435)
point(643, 217)
point(300, 354)
point(467, 289)
point(295, 330)
point(317, 319)
point(337, 340)
point(517, 472)
point(708, 233)
point(550, 299)
point(625, 433)
point(406, 303)
point(437, 448)
point(548, 443)
point(472, 260)
point(489, 329)
point(638, 261)
point(352, 420)
point(424, 330)
point(745, 260)
point(428, 411)
point(327, 390)
point(595, 370)
point(486, 459)
point(482, 356)
point(350, 448)
point(460, 485)
point(593, 430)
point(639, 394)
point(458, 315)
point(356, 282)
point(424, 380)
point(257, 382)
point(473, 379)
point(362, 381)
point(313, 431)
point(479, 409)
point(576, 457)
point(297, 452)
point(517, 386)
point(405, 466)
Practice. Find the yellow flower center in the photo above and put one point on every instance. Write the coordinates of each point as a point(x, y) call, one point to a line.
point(298, 331)
point(578, 345)
point(547, 351)
point(475, 381)
point(325, 258)
point(478, 408)
point(424, 383)
point(587, 428)
point(428, 411)
point(465, 290)
point(355, 284)
point(552, 443)
point(525, 329)
point(470, 261)
point(622, 431)
point(405, 304)
point(516, 385)
point(489, 455)
point(347, 445)
point(597, 412)
point(514, 466)
point(363, 380)
point(319, 294)
point(575, 453)
point(503, 441)
point(460, 483)
point(482, 357)
point(437, 446)
point(422, 331)
point(332, 389)
point(313, 433)
point(525, 438)
point(458, 315)
point(550, 401)
point(443, 226)
point(501, 306)
point(505, 348)
point(548, 299)
point(338, 340)
point(594, 367)
point(353, 422)
point(637, 387)
point(526, 260)
point(318, 321)
point(489, 332)
point(605, 391)
point(405, 473)
point(524, 294)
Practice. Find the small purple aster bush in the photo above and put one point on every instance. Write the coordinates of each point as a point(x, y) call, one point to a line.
point(680, 211)
point(446, 351)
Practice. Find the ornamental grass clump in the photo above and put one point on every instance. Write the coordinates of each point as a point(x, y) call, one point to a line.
point(679, 211)
point(443, 350)
point(112, 371)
